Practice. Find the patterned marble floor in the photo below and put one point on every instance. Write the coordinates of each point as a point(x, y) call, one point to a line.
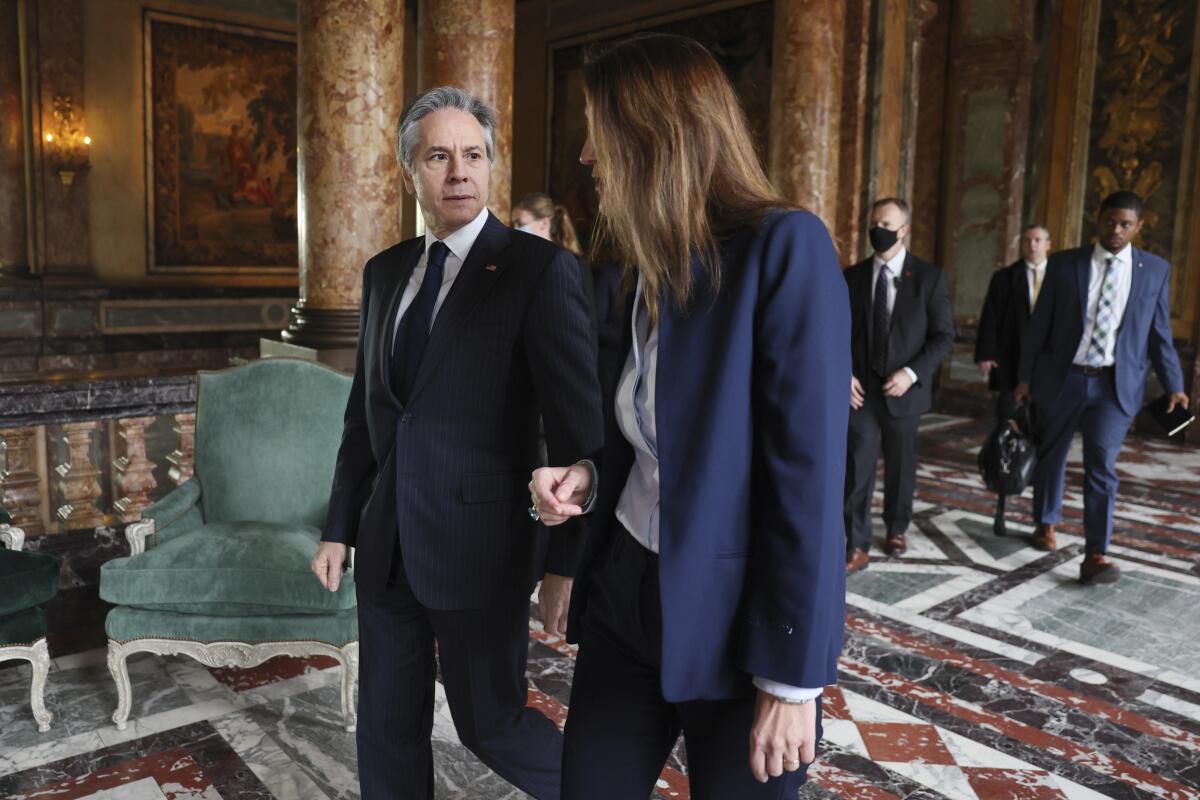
point(975, 668)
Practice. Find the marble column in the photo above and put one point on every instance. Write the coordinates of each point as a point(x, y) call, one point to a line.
point(134, 473)
point(20, 483)
point(469, 44)
point(351, 85)
point(806, 101)
point(14, 253)
point(79, 484)
point(183, 457)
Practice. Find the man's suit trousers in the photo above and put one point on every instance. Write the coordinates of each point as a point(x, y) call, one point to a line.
point(868, 426)
point(1088, 403)
point(482, 654)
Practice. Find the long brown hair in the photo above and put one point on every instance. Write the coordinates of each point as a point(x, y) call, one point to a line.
point(675, 159)
point(562, 230)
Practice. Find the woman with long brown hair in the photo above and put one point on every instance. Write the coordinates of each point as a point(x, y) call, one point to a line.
point(710, 597)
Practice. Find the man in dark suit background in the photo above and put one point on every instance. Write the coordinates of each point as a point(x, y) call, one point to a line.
point(1103, 316)
point(1006, 309)
point(902, 328)
point(466, 336)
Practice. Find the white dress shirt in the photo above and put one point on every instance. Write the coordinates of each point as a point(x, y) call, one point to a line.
point(894, 266)
point(459, 244)
point(1035, 274)
point(1124, 276)
point(638, 507)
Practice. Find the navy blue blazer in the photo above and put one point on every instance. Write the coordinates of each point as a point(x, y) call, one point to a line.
point(752, 409)
point(1056, 328)
point(445, 475)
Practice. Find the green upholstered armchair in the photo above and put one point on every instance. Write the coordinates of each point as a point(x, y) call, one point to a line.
point(28, 579)
point(219, 569)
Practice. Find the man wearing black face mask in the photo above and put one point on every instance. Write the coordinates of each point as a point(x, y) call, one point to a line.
point(902, 329)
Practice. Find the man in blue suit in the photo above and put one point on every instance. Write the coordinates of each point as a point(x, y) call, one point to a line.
point(1102, 317)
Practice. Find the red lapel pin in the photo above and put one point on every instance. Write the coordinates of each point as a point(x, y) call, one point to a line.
point(490, 267)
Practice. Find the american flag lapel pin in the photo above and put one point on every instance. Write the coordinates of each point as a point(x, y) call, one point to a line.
point(490, 267)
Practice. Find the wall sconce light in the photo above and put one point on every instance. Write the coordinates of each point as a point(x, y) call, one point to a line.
point(66, 144)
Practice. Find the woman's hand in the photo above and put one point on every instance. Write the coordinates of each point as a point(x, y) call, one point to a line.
point(783, 738)
point(559, 493)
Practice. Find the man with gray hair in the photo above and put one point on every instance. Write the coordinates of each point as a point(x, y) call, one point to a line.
point(466, 335)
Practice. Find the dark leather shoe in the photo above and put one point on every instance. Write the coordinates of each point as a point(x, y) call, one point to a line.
point(895, 545)
point(1098, 569)
point(856, 561)
point(1043, 538)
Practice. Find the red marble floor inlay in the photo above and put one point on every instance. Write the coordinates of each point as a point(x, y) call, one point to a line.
point(833, 704)
point(1012, 784)
point(846, 785)
point(276, 669)
point(555, 711)
point(1093, 706)
point(903, 741)
point(1137, 777)
point(176, 773)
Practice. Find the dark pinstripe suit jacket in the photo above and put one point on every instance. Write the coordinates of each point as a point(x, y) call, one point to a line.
point(445, 476)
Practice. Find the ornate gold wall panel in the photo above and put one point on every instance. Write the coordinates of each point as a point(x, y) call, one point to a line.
point(1143, 122)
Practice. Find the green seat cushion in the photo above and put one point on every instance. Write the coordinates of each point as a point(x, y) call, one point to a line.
point(229, 569)
point(27, 578)
point(125, 624)
point(22, 627)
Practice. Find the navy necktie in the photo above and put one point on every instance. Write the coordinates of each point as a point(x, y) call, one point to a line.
point(881, 323)
point(413, 332)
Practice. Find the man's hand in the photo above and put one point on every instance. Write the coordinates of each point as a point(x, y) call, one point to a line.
point(1021, 393)
point(329, 564)
point(986, 367)
point(554, 598)
point(558, 493)
point(857, 395)
point(783, 737)
point(898, 383)
point(1177, 399)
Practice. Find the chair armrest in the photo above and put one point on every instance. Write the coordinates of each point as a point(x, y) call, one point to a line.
point(13, 538)
point(176, 513)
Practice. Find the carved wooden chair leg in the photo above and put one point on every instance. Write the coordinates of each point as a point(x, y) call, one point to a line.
point(349, 684)
point(37, 694)
point(120, 673)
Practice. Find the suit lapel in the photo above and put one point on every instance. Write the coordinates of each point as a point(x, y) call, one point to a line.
point(866, 280)
point(1083, 272)
point(407, 264)
point(1020, 287)
point(479, 272)
point(906, 292)
point(1137, 279)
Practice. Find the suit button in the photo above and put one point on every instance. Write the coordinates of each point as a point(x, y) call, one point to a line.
point(406, 418)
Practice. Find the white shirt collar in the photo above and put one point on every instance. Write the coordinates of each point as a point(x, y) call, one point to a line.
point(1125, 256)
point(462, 240)
point(1035, 267)
point(896, 262)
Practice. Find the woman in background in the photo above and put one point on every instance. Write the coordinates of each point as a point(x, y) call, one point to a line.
point(711, 594)
point(537, 214)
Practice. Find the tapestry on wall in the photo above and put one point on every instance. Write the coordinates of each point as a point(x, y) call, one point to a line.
point(1140, 122)
point(739, 38)
point(221, 147)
